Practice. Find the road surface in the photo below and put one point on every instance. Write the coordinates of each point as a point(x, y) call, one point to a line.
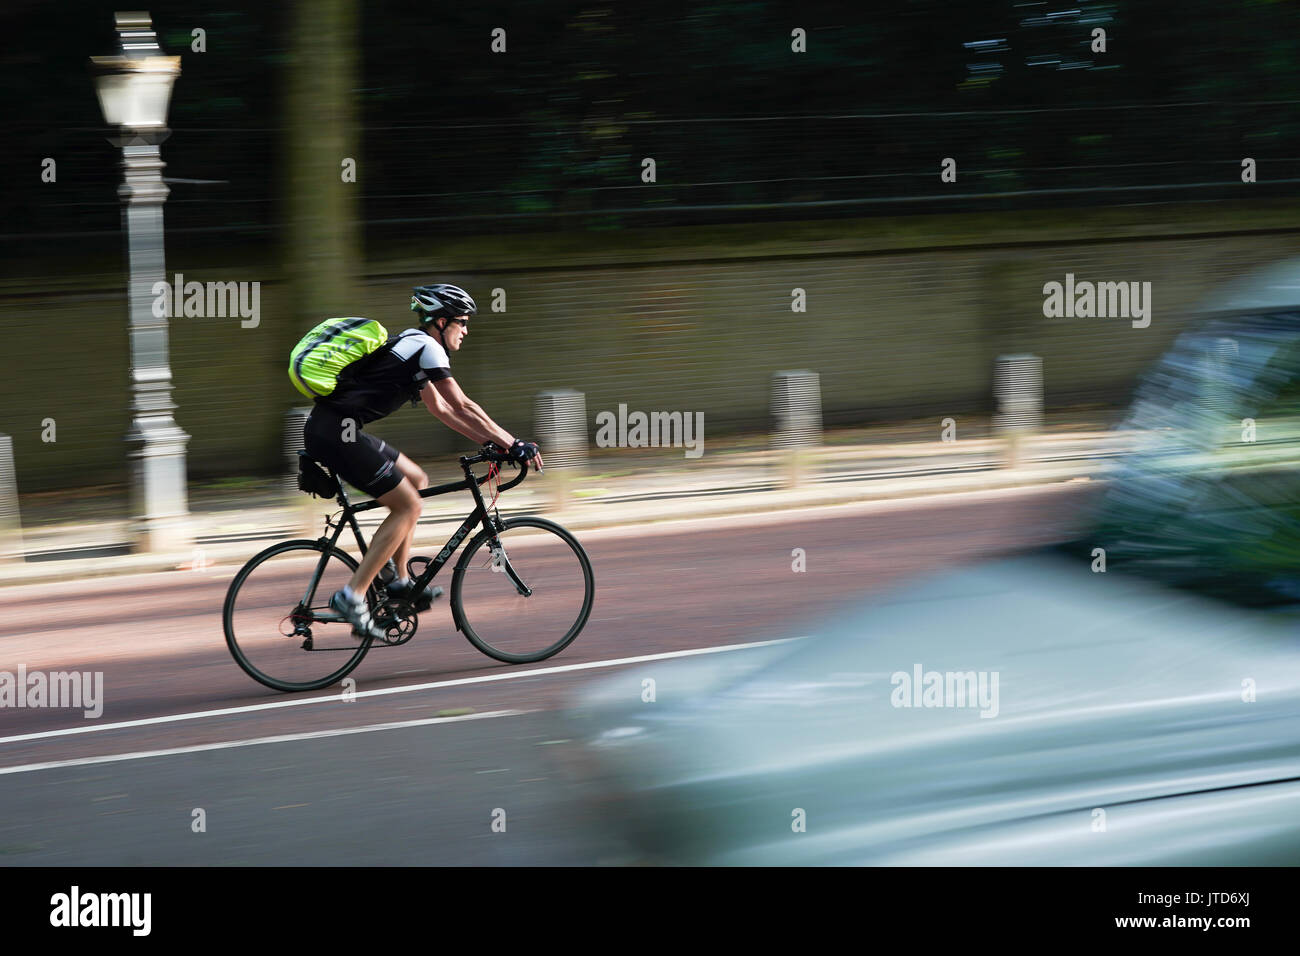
point(442, 756)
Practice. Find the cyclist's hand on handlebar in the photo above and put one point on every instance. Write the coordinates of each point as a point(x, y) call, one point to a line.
point(520, 451)
point(526, 451)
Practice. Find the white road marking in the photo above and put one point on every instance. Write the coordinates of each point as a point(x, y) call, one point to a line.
point(252, 742)
point(384, 691)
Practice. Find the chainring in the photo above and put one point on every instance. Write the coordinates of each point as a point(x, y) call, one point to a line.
point(398, 619)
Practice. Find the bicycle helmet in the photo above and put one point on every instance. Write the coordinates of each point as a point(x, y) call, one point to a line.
point(431, 302)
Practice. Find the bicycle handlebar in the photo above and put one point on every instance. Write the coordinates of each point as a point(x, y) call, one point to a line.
point(499, 458)
point(523, 473)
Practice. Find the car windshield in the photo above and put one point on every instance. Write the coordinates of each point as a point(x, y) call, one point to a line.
point(1210, 496)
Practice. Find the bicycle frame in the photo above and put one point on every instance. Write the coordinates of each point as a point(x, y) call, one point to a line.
point(480, 514)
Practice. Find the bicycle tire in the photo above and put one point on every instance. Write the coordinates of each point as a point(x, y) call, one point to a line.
point(458, 582)
point(229, 610)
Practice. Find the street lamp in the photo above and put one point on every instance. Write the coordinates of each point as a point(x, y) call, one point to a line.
point(134, 90)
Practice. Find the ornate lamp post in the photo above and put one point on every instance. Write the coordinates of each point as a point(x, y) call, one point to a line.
point(134, 90)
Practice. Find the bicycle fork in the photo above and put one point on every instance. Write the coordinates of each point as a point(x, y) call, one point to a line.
point(501, 563)
point(492, 525)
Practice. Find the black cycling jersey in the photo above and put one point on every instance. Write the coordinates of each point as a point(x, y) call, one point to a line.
point(379, 384)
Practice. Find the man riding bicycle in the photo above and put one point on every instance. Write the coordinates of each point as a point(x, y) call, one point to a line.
point(411, 366)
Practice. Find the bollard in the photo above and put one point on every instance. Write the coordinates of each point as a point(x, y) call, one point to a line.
point(11, 534)
point(294, 420)
point(1213, 411)
point(1216, 381)
point(797, 411)
point(561, 420)
point(305, 507)
point(1018, 390)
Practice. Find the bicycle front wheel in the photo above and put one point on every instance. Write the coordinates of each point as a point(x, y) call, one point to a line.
point(528, 599)
point(278, 625)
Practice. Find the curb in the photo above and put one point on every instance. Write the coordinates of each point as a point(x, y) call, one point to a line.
point(719, 503)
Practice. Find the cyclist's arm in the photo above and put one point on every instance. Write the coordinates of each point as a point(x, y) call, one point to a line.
point(450, 405)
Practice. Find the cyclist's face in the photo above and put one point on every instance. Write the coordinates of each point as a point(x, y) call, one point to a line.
point(456, 331)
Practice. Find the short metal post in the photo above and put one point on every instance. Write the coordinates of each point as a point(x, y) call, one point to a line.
point(303, 504)
point(11, 535)
point(1216, 385)
point(797, 411)
point(561, 422)
point(1018, 390)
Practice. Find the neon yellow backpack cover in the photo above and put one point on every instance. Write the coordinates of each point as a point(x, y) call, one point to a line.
point(317, 360)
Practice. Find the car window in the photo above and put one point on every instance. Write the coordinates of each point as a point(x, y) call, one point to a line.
point(1210, 496)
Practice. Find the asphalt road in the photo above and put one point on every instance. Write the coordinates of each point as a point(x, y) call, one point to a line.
point(442, 756)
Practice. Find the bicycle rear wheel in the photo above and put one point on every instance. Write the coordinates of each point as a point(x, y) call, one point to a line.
point(518, 628)
point(274, 627)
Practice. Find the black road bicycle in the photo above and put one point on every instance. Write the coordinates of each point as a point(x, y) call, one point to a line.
point(521, 590)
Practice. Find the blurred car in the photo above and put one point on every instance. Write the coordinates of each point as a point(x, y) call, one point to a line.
point(1128, 698)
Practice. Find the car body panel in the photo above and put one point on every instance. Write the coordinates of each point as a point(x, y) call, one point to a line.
point(1146, 709)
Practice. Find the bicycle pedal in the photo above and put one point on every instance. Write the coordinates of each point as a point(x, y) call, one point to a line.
point(427, 602)
point(423, 603)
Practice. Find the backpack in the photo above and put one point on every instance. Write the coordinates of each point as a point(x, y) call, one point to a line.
point(317, 360)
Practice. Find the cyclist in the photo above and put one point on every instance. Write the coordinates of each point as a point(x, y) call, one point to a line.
point(412, 365)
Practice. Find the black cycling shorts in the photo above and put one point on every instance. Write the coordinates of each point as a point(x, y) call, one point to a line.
point(368, 463)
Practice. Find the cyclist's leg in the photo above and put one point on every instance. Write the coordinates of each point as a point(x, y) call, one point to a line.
point(404, 507)
point(372, 465)
point(416, 476)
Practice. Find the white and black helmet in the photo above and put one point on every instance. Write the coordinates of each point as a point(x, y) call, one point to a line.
point(435, 301)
